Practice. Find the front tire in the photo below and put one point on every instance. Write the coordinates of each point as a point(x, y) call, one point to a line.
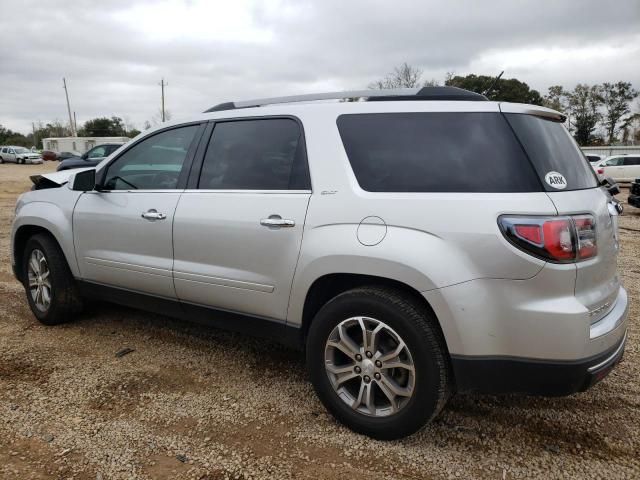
point(378, 362)
point(51, 290)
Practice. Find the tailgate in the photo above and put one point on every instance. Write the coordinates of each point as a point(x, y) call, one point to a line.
point(597, 281)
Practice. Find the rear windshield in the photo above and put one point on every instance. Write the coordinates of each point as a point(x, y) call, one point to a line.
point(552, 151)
point(436, 152)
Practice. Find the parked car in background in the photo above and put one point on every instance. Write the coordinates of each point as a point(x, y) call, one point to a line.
point(622, 168)
point(593, 158)
point(634, 194)
point(90, 159)
point(332, 227)
point(49, 155)
point(19, 155)
point(65, 155)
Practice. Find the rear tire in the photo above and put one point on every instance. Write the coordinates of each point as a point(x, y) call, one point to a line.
point(49, 285)
point(404, 391)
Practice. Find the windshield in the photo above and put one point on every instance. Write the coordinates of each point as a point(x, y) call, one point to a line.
point(22, 150)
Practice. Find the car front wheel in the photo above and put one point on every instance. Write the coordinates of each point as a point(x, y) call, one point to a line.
point(49, 284)
point(378, 362)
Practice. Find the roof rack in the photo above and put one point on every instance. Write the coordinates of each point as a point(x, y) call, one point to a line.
point(393, 94)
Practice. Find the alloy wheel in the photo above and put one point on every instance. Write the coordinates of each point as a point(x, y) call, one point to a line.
point(369, 366)
point(39, 277)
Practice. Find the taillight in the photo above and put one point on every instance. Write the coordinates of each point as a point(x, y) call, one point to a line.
point(585, 236)
point(558, 239)
point(601, 171)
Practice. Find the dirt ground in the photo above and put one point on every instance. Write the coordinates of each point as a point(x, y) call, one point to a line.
point(198, 403)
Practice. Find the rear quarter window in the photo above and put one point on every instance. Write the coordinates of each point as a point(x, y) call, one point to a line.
point(552, 150)
point(436, 152)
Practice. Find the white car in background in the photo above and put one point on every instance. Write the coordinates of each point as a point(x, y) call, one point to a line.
point(19, 155)
point(622, 168)
point(594, 158)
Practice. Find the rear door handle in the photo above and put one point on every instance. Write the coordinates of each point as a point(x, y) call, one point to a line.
point(153, 214)
point(277, 221)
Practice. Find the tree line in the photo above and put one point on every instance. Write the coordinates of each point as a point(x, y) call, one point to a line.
point(97, 127)
point(596, 114)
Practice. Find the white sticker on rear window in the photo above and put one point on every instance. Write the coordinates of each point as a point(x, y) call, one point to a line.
point(556, 180)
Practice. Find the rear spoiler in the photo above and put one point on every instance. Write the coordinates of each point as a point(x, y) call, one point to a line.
point(536, 110)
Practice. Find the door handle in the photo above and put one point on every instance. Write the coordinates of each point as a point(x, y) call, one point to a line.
point(277, 221)
point(153, 214)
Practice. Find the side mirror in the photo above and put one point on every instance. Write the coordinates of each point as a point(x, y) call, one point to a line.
point(83, 181)
point(611, 186)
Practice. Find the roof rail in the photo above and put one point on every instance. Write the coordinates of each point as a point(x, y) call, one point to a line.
point(392, 94)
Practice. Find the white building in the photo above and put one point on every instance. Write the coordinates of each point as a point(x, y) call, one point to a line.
point(78, 144)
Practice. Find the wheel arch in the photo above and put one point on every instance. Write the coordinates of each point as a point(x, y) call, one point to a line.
point(21, 237)
point(50, 220)
point(330, 285)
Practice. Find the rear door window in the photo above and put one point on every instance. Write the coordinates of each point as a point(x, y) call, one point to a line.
point(631, 161)
point(436, 152)
point(552, 151)
point(264, 154)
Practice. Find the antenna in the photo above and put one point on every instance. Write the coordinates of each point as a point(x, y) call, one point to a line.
point(493, 84)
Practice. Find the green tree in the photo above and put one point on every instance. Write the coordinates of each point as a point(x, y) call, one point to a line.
point(616, 99)
point(504, 90)
point(556, 98)
point(9, 137)
point(583, 105)
point(103, 127)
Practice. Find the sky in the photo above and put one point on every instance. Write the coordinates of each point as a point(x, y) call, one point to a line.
point(113, 53)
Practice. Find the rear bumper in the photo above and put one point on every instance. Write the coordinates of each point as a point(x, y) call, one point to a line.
point(533, 376)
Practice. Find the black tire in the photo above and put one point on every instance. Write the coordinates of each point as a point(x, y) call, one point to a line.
point(65, 299)
point(1, 160)
point(417, 327)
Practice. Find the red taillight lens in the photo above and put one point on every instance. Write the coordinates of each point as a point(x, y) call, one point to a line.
point(531, 233)
point(601, 171)
point(558, 239)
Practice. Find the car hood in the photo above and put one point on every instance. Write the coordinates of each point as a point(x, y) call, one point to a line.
point(77, 162)
point(55, 179)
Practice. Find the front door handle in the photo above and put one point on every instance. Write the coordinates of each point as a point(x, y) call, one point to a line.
point(277, 221)
point(153, 214)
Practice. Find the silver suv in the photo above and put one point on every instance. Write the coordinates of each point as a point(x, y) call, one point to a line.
point(415, 243)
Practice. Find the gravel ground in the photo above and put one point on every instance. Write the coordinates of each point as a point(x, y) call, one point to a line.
point(198, 403)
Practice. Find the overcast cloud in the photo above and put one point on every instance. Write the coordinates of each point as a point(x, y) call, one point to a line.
point(114, 52)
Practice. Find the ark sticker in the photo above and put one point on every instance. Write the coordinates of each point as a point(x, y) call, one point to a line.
point(556, 180)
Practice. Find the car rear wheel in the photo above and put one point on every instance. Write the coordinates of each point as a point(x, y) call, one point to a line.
point(378, 362)
point(48, 282)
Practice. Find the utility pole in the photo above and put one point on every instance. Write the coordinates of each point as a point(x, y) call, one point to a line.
point(162, 85)
point(75, 122)
point(35, 140)
point(73, 129)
